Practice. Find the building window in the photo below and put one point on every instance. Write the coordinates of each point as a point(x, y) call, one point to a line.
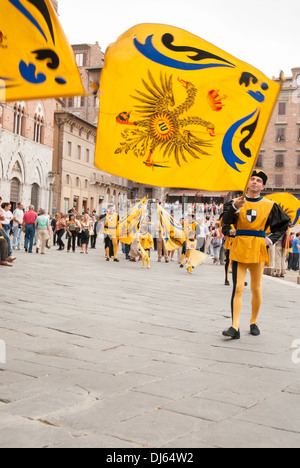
point(69, 149)
point(66, 205)
point(282, 108)
point(78, 152)
point(76, 203)
point(259, 162)
point(67, 179)
point(18, 120)
point(298, 162)
point(77, 101)
point(79, 59)
point(297, 180)
point(279, 180)
point(281, 134)
point(38, 127)
point(77, 182)
point(87, 156)
point(86, 182)
point(279, 162)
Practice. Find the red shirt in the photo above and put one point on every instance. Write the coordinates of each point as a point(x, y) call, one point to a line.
point(30, 217)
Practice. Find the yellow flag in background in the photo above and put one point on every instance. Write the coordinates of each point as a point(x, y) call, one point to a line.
point(36, 60)
point(172, 232)
point(177, 111)
point(289, 204)
point(130, 223)
point(196, 258)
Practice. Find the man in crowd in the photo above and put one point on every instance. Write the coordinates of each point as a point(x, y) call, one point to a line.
point(296, 252)
point(29, 228)
point(18, 216)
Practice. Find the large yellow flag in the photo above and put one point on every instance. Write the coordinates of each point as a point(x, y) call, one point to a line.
point(172, 232)
point(289, 204)
point(130, 223)
point(36, 60)
point(176, 111)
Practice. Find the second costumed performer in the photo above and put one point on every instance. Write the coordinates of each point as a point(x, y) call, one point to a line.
point(252, 218)
point(111, 241)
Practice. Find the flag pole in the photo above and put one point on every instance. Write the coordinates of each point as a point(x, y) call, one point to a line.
point(282, 80)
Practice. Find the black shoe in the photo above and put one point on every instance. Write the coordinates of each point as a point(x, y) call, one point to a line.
point(254, 330)
point(116, 260)
point(232, 333)
point(227, 283)
point(26, 250)
point(108, 259)
point(181, 266)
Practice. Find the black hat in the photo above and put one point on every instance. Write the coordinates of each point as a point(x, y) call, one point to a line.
point(262, 175)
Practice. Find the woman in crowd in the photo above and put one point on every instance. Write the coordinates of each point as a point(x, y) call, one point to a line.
point(217, 243)
point(86, 225)
point(60, 230)
point(42, 225)
point(73, 227)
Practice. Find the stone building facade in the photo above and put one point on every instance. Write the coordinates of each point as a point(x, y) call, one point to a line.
point(280, 151)
point(90, 61)
point(78, 183)
point(26, 150)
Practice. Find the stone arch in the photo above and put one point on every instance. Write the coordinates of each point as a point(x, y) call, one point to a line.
point(37, 174)
point(17, 168)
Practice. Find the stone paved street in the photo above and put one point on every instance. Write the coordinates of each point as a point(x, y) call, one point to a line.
point(110, 355)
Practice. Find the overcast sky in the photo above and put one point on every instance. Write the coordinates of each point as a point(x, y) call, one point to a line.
point(264, 33)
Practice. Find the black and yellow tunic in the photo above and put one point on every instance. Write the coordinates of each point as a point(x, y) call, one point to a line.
point(252, 222)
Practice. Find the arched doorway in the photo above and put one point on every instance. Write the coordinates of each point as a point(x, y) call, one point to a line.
point(35, 196)
point(14, 193)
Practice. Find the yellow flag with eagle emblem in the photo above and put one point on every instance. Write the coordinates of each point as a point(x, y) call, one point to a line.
point(176, 111)
point(36, 60)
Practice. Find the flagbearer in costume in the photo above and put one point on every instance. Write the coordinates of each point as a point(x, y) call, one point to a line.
point(110, 232)
point(146, 244)
point(189, 226)
point(252, 217)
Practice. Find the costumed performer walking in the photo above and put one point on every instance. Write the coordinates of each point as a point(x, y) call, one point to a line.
point(252, 216)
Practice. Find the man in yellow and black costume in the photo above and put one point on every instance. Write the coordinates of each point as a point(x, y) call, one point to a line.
point(252, 217)
point(111, 242)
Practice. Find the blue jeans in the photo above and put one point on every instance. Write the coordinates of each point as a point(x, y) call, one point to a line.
point(29, 236)
point(6, 231)
point(17, 237)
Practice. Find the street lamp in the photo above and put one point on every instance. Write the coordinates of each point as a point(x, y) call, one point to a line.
point(51, 179)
